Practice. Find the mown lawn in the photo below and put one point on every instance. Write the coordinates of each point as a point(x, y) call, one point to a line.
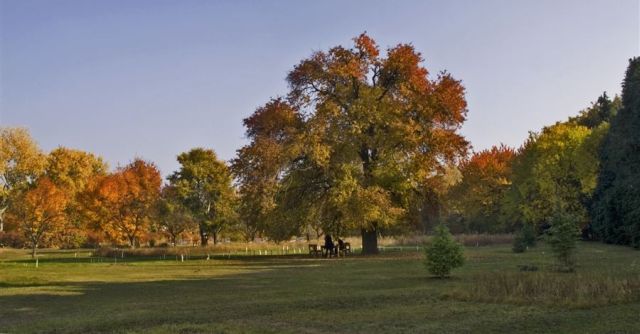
point(389, 293)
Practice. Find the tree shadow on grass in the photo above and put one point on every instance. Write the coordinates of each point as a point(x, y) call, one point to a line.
point(244, 298)
point(277, 295)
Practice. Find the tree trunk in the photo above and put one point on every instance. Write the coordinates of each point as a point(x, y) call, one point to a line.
point(204, 239)
point(215, 238)
point(132, 242)
point(2, 218)
point(368, 155)
point(370, 241)
point(33, 250)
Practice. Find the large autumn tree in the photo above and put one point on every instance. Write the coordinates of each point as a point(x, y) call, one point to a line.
point(616, 207)
point(122, 204)
point(204, 185)
point(486, 178)
point(376, 129)
point(21, 162)
point(71, 170)
point(39, 213)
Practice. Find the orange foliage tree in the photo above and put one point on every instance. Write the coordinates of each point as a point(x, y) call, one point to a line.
point(39, 213)
point(71, 170)
point(122, 204)
point(486, 178)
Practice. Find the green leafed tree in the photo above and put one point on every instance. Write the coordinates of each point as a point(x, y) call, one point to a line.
point(204, 185)
point(554, 170)
point(173, 218)
point(562, 237)
point(443, 254)
point(616, 206)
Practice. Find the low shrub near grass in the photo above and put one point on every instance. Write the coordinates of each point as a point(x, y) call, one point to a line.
point(11, 239)
point(528, 288)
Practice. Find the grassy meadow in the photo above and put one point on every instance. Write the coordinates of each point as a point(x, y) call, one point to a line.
point(75, 292)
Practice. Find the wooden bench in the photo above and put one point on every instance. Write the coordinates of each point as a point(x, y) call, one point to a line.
point(346, 249)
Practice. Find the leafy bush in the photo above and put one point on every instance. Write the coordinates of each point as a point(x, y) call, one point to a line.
point(518, 245)
point(524, 239)
point(562, 237)
point(11, 239)
point(443, 254)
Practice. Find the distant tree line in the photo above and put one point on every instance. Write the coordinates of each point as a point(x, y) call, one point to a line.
point(68, 199)
point(586, 168)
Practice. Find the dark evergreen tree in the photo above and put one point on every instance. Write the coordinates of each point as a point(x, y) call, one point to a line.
point(603, 110)
point(616, 206)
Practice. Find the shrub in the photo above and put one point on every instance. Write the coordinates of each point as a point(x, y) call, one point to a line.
point(12, 239)
point(443, 254)
point(562, 237)
point(524, 239)
point(519, 245)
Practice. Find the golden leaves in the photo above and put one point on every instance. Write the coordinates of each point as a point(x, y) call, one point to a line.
point(39, 212)
point(121, 204)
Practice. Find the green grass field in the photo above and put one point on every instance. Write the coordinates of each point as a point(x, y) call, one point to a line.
point(389, 293)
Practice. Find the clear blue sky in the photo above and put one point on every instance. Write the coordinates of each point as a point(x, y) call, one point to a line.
point(155, 78)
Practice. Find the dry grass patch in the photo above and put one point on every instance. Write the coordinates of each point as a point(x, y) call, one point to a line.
point(551, 289)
